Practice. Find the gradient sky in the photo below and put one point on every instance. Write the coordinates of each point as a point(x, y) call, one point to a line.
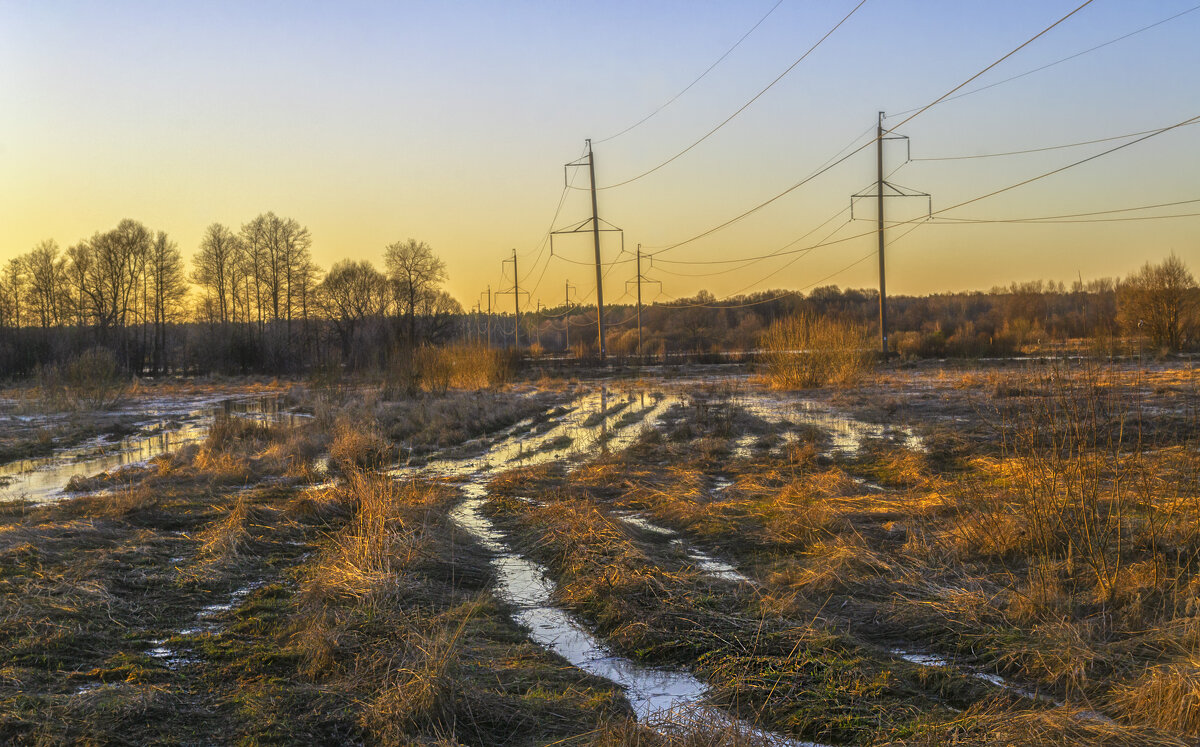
point(450, 123)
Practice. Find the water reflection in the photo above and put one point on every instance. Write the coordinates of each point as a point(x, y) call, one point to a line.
point(44, 478)
point(667, 699)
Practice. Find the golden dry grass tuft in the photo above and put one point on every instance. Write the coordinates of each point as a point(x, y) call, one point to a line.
point(229, 537)
point(808, 351)
point(359, 446)
point(1167, 695)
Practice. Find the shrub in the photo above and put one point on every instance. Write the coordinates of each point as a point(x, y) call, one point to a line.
point(807, 351)
point(91, 380)
point(359, 446)
point(1166, 696)
point(438, 369)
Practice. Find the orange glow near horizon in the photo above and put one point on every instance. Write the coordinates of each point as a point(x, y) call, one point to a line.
point(371, 123)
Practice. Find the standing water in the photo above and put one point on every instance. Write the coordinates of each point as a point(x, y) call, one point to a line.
point(670, 700)
point(165, 431)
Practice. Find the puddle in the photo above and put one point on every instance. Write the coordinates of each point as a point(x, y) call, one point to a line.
point(846, 433)
point(743, 446)
point(933, 660)
point(701, 560)
point(44, 478)
point(579, 429)
point(665, 698)
point(202, 624)
point(169, 656)
point(641, 522)
point(924, 660)
point(715, 567)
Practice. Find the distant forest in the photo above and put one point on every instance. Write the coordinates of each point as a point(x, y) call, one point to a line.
point(253, 301)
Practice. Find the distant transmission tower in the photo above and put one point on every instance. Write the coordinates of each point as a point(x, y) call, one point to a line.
point(884, 189)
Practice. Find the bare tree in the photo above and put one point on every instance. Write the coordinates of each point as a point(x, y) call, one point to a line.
point(292, 243)
point(255, 238)
point(13, 300)
point(47, 271)
point(215, 267)
point(414, 272)
point(79, 269)
point(1159, 300)
point(439, 310)
point(351, 293)
point(168, 289)
point(110, 278)
point(305, 278)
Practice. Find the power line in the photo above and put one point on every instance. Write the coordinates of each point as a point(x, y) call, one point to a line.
point(688, 87)
point(751, 260)
point(917, 113)
point(946, 96)
point(591, 264)
point(745, 106)
point(763, 204)
point(776, 253)
point(793, 260)
point(918, 222)
point(1046, 221)
point(795, 292)
point(1039, 150)
point(1064, 59)
point(562, 198)
point(1070, 165)
point(1078, 215)
point(539, 280)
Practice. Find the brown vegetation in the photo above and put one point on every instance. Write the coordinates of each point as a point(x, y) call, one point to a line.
point(806, 351)
point(1046, 534)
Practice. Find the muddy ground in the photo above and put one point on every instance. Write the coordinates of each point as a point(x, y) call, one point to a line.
point(674, 557)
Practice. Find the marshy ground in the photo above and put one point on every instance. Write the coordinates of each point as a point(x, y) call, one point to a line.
point(940, 555)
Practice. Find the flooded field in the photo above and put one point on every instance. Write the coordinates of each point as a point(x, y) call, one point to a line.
point(660, 561)
point(160, 428)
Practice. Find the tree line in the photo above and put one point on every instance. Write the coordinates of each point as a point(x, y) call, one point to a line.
point(1156, 309)
point(253, 301)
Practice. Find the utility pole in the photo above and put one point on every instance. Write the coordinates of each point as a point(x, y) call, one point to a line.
point(517, 303)
point(639, 298)
point(884, 189)
point(883, 335)
point(639, 280)
point(596, 241)
point(537, 324)
point(516, 291)
point(596, 229)
point(489, 315)
point(567, 315)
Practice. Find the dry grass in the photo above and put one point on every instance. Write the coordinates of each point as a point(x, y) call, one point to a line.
point(807, 351)
point(91, 381)
point(652, 602)
point(229, 537)
point(1167, 695)
point(385, 634)
point(1066, 558)
point(437, 369)
point(994, 724)
point(359, 445)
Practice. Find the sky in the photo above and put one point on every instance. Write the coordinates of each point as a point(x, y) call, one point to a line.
point(451, 122)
